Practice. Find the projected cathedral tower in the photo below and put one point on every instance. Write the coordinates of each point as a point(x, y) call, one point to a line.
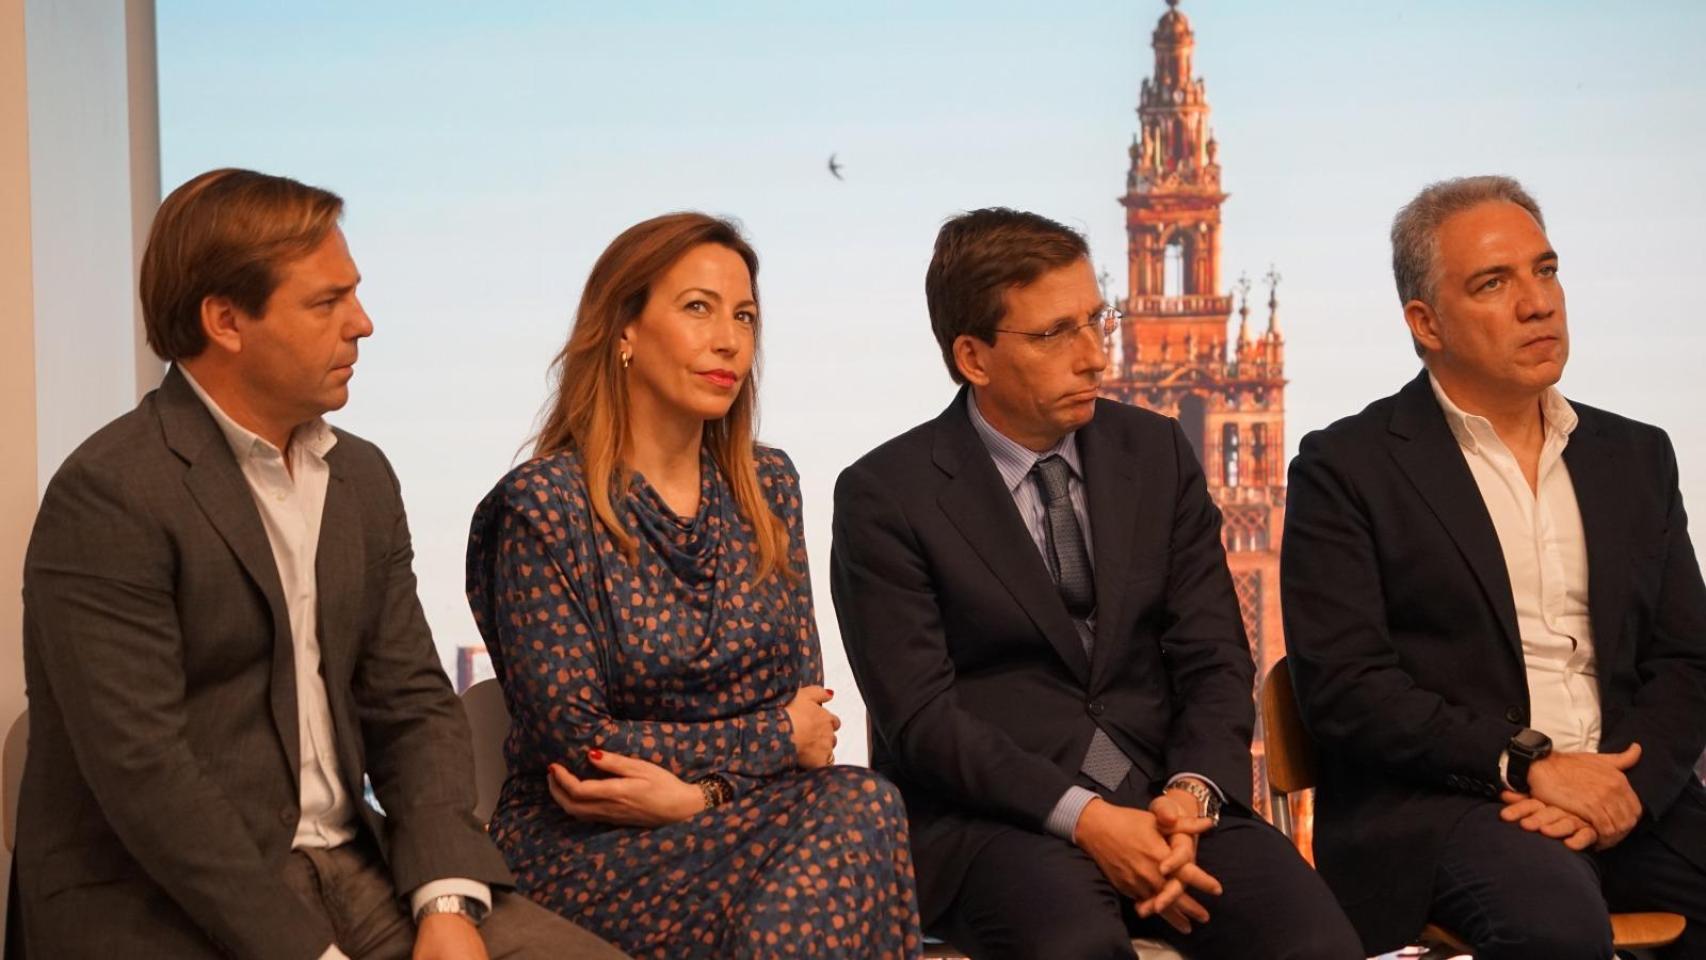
point(1174, 353)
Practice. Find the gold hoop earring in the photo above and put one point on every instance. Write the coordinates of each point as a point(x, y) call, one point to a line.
point(625, 358)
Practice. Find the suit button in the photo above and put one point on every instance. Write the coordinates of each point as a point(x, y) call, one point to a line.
point(287, 816)
point(1513, 714)
point(1096, 709)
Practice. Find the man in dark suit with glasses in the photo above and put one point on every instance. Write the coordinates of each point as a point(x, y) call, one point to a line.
point(1035, 601)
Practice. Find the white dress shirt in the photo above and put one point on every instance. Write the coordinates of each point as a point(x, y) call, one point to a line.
point(1546, 558)
point(291, 502)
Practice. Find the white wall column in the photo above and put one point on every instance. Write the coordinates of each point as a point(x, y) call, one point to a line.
point(79, 181)
point(94, 183)
point(17, 353)
point(17, 362)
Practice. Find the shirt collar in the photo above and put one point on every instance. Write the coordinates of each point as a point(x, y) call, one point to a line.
point(314, 437)
point(1472, 430)
point(1014, 460)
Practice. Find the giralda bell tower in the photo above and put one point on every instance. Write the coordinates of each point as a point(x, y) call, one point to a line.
point(1178, 353)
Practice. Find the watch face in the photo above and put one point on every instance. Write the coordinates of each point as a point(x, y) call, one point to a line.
point(1531, 741)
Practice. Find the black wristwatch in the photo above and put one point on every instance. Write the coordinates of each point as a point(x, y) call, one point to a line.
point(1523, 750)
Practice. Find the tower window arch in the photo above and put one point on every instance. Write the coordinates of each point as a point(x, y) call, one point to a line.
point(1259, 471)
point(1229, 454)
point(1173, 268)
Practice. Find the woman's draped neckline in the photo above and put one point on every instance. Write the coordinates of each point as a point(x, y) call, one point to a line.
point(691, 546)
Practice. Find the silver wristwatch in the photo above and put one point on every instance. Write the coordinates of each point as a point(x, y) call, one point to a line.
point(1207, 802)
point(456, 903)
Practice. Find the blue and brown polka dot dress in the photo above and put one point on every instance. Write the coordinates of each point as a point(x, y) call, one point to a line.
point(680, 660)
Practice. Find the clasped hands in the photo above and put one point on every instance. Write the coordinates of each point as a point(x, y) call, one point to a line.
point(639, 793)
point(1150, 855)
point(1582, 799)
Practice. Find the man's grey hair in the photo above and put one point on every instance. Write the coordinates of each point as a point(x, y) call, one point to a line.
point(1415, 230)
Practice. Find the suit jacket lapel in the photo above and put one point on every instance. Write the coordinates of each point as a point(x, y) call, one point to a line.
point(1433, 462)
point(1114, 489)
point(1593, 473)
point(340, 560)
point(978, 504)
point(222, 492)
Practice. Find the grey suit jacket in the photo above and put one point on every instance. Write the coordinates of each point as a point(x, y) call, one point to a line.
point(160, 796)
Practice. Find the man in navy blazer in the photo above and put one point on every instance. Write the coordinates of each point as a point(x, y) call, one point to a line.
point(1496, 622)
point(1035, 602)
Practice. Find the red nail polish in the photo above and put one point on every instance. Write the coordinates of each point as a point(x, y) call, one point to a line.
point(595, 754)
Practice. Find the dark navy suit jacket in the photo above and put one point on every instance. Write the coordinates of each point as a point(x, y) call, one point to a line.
point(1404, 649)
point(979, 689)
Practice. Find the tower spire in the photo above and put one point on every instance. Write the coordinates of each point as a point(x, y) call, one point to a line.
point(1172, 108)
point(1183, 356)
point(1273, 279)
point(1246, 337)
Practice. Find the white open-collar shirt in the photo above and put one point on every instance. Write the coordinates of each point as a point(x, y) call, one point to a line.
point(291, 502)
point(1546, 558)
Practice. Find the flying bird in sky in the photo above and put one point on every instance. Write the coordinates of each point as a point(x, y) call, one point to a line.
point(835, 168)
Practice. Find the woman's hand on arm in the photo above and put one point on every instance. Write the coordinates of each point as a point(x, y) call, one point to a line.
point(814, 727)
point(636, 794)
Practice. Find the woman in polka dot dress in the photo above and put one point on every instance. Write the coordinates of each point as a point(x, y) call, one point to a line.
point(643, 589)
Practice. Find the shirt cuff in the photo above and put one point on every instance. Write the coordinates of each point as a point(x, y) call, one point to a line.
point(1504, 768)
point(1219, 794)
point(448, 887)
point(333, 953)
point(1063, 819)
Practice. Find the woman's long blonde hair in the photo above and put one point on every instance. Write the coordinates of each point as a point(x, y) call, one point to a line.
point(590, 408)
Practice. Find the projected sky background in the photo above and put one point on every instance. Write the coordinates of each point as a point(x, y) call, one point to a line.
point(489, 152)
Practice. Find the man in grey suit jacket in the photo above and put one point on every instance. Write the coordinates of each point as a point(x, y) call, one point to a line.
point(222, 639)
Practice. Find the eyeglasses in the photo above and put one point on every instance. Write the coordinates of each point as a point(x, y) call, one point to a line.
point(1102, 324)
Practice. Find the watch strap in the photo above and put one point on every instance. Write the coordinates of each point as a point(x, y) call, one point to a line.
point(456, 903)
point(1520, 754)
